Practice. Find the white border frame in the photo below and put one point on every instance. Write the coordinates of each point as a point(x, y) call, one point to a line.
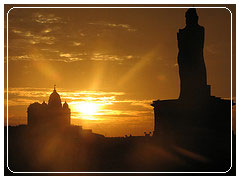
point(121, 7)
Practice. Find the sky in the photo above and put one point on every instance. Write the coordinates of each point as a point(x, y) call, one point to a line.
point(109, 64)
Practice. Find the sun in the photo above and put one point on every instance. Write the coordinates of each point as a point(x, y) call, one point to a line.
point(87, 108)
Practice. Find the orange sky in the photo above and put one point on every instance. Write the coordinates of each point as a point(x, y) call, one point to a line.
point(122, 58)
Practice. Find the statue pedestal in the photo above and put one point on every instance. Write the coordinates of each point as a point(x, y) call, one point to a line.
point(202, 127)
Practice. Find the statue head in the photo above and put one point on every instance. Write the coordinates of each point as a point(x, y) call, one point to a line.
point(191, 17)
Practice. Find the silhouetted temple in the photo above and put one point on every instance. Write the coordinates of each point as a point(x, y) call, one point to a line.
point(196, 119)
point(53, 114)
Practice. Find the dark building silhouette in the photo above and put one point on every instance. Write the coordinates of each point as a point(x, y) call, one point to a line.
point(53, 114)
point(196, 120)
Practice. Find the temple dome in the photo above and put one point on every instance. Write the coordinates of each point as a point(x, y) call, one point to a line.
point(54, 99)
point(65, 105)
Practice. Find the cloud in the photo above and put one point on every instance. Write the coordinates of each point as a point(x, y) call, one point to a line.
point(27, 93)
point(34, 38)
point(65, 55)
point(71, 57)
point(47, 30)
point(19, 58)
point(29, 33)
point(105, 57)
point(77, 43)
point(49, 39)
point(110, 57)
point(121, 114)
point(50, 50)
point(126, 27)
point(74, 59)
point(16, 31)
point(47, 18)
point(25, 96)
point(82, 34)
point(20, 102)
point(71, 95)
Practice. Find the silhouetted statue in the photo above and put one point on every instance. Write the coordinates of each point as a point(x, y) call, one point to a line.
point(196, 120)
point(192, 68)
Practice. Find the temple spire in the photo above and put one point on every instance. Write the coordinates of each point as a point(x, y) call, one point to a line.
point(54, 87)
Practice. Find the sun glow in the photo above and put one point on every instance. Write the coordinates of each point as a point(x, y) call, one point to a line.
point(86, 110)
